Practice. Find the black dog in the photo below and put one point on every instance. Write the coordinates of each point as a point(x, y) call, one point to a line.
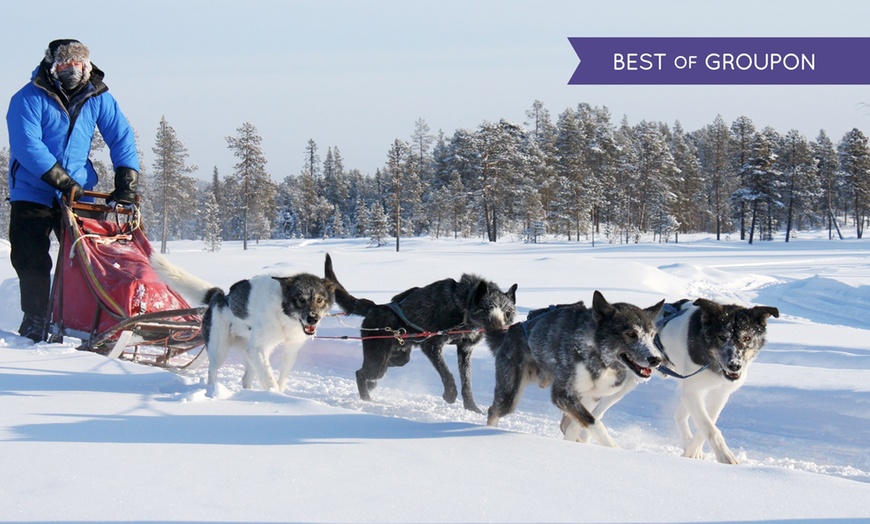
point(457, 311)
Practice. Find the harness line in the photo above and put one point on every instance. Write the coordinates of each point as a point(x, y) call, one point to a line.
point(401, 334)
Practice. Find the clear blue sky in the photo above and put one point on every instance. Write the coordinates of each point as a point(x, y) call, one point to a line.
point(356, 75)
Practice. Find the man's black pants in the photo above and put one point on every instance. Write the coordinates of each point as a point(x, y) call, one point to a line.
point(30, 227)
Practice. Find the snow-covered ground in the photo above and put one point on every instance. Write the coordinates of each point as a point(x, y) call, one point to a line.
point(88, 439)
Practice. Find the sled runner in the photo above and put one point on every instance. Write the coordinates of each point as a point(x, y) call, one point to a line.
point(106, 293)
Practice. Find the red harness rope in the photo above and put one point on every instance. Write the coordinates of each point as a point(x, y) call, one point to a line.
point(401, 334)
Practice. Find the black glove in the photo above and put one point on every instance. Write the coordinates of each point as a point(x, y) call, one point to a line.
point(58, 178)
point(126, 185)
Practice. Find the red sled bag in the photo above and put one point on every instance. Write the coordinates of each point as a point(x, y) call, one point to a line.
point(104, 286)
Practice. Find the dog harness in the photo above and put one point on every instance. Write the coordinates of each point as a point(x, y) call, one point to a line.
point(524, 323)
point(401, 314)
point(670, 312)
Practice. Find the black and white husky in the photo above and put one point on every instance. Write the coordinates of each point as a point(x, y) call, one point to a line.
point(710, 347)
point(584, 355)
point(441, 313)
point(255, 316)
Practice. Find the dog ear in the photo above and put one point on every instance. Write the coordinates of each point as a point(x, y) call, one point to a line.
point(479, 292)
point(657, 310)
point(601, 308)
point(762, 312)
point(512, 293)
point(709, 309)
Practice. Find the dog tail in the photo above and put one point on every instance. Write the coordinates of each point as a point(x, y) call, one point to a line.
point(188, 285)
point(347, 302)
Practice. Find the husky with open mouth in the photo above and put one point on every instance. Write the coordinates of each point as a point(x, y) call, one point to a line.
point(583, 354)
point(710, 347)
point(255, 316)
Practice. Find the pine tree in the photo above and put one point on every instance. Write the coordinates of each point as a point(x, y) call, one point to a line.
point(742, 139)
point(855, 165)
point(212, 233)
point(402, 182)
point(362, 218)
point(827, 171)
point(565, 192)
point(657, 179)
point(172, 191)
point(760, 179)
point(211, 214)
point(378, 225)
point(599, 159)
point(690, 204)
point(802, 185)
point(504, 162)
point(714, 158)
point(257, 192)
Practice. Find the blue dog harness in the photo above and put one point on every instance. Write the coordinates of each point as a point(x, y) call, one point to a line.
point(401, 314)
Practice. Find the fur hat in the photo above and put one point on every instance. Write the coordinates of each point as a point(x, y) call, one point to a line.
point(65, 51)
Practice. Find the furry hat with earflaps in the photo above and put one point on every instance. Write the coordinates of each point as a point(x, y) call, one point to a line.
point(65, 51)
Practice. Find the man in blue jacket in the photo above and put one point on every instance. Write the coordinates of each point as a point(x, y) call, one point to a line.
point(52, 121)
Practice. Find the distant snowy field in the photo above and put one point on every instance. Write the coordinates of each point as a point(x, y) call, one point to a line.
point(87, 439)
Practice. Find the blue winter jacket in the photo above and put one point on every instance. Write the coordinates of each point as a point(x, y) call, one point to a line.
point(43, 132)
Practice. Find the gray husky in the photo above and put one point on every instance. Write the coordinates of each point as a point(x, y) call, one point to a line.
point(256, 316)
point(583, 354)
point(441, 313)
point(710, 346)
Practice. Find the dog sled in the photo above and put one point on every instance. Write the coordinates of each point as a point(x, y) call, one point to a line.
point(106, 294)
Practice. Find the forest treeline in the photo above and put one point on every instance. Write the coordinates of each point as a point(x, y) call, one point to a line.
point(576, 176)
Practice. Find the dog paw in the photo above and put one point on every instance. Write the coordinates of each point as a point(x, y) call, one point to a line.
point(726, 457)
point(450, 395)
point(694, 454)
point(471, 406)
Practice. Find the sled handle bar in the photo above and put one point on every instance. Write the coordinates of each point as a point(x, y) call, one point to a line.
point(121, 209)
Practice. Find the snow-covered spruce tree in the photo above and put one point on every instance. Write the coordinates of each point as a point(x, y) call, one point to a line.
point(801, 187)
point(256, 190)
point(827, 166)
point(599, 159)
point(622, 195)
point(540, 187)
point(690, 204)
point(761, 184)
point(336, 189)
point(378, 228)
point(565, 191)
point(171, 190)
point(310, 190)
point(212, 233)
point(211, 214)
point(743, 135)
point(657, 178)
point(713, 150)
point(404, 196)
point(855, 167)
point(504, 162)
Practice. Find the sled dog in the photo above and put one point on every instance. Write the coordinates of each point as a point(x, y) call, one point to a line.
point(255, 316)
point(582, 354)
point(712, 346)
point(455, 312)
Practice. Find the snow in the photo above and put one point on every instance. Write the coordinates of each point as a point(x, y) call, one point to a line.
point(88, 439)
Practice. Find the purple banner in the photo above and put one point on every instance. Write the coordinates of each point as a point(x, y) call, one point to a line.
point(727, 61)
